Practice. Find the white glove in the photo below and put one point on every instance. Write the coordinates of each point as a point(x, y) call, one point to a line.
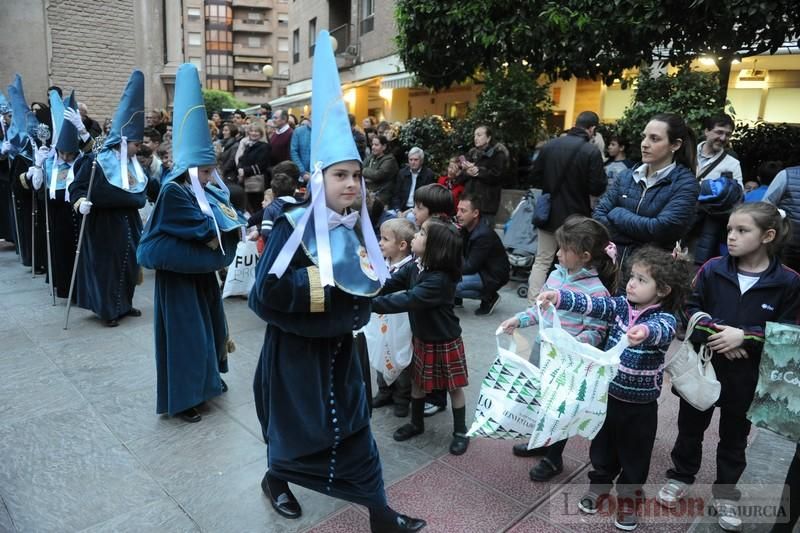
point(41, 154)
point(6, 147)
point(85, 207)
point(36, 176)
point(75, 117)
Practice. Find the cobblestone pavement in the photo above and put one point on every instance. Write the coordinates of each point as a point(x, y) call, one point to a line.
point(81, 448)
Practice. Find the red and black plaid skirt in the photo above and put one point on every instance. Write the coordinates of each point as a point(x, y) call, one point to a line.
point(440, 365)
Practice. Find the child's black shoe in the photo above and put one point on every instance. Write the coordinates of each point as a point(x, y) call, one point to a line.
point(546, 470)
point(407, 431)
point(459, 444)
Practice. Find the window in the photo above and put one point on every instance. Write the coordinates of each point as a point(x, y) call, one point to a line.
point(219, 40)
point(195, 39)
point(254, 16)
point(283, 44)
point(283, 20)
point(312, 36)
point(367, 16)
point(196, 61)
point(193, 13)
point(283, 68)
point(254, 42)
point(219, 16)
point(296, 46)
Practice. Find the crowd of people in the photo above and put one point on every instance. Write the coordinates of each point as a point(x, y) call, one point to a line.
point(349, 222)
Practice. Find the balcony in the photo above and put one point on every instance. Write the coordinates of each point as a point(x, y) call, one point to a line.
point(252, 26)
point(259, 4)
point(248, 75)
point(240, 49)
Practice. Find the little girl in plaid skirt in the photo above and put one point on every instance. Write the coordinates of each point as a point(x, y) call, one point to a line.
point(426, 290)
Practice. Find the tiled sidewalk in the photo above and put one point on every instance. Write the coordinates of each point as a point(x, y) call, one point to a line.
point(81, 448)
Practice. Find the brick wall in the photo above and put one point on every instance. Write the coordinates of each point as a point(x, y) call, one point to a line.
point(93, 50)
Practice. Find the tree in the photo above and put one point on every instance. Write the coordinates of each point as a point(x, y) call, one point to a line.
point(691, 94)
point(216, 101)
point(581, 392)
point(448, 41)
point(562, 408)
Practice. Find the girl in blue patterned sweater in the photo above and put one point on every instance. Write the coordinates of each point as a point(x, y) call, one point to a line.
point(621, 450)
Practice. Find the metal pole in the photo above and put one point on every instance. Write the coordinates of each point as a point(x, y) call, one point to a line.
point(33, 231)
point(80, 243)
point(18, 244)
point(49, 252)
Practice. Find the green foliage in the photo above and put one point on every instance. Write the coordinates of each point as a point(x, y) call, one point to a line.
point(512, 103)
point(434, 135)
point(218, 100)
point(761, 142)
point(448, 41)
point(691, 94)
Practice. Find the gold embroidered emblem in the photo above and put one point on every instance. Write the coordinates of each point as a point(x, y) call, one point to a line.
point(229, 212)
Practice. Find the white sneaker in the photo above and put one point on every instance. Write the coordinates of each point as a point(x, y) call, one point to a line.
point(671, 493)
point(727, 515)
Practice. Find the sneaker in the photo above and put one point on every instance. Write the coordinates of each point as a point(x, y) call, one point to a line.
point(588, 503)
point(727, 515)
point(671, 493)
point(487, 307)
point(626, 518)
point(431, 409)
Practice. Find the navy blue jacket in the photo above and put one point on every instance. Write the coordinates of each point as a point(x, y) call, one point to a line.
point(659, 215)
point(774, 298)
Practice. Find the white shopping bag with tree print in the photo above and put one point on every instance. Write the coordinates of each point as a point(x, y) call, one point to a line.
point(574, 385)
point(507, 406)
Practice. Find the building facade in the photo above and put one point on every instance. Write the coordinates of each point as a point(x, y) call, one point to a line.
point(88, 45)
point(374, 80)
point(231, 41)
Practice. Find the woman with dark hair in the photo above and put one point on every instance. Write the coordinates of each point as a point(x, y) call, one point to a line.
point(252, 164)
point(380, 170)
point(226, 160)
point(654, 202)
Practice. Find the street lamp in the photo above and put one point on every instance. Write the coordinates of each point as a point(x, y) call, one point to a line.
point(267, 71)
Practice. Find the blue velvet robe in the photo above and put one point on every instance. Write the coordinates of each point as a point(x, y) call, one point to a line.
point(107, 271)
point(189, 319)
point(25, 204)
point(309, 387)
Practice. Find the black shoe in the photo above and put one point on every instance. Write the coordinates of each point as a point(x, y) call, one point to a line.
point(401, 410)
point(546, 470)
point(191, 415)
point(487, 306)
point(521, 450)
point(112, 323)
point(407, 431)
point(285, 505)
point(134, 312)
point(380, 401)
point(224, 385)
point(459, 444)
point(400, 524)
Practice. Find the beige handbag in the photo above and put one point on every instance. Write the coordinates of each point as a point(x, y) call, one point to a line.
point(691, 373)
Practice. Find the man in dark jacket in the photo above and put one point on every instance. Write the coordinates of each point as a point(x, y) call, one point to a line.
point(482, 173)
point(486, 267)
point(570, 168)
point(410, 178)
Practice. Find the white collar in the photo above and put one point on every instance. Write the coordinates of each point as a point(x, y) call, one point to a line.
point(640, 174)
point(282, 129)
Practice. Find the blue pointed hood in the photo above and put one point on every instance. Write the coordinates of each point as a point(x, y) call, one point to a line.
point(128, 121)
point(66, 133)
point(191, 140)
point(23, 121)
point(4, 107)
point(331, 137)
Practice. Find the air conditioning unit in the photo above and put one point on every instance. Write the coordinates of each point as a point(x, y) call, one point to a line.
point(749, 74)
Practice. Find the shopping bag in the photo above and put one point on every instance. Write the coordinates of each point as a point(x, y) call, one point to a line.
point(692, 374)
point(507, 405)
point(776, 405)
point(389, 344)
point(574, 382)
point(242, 272)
